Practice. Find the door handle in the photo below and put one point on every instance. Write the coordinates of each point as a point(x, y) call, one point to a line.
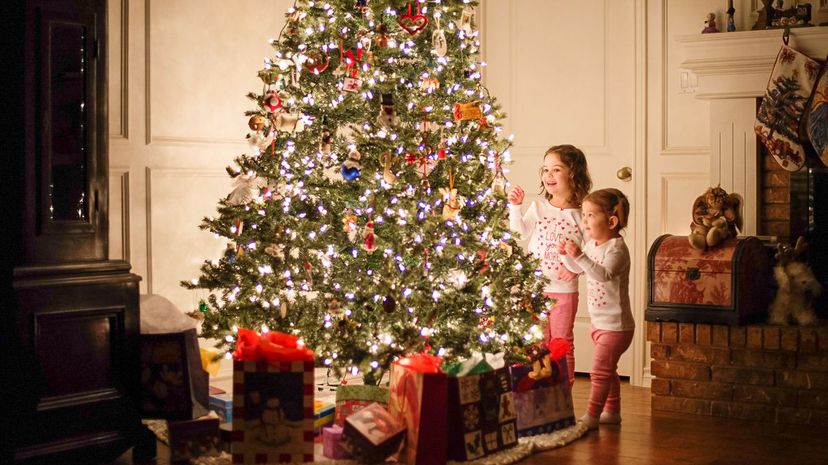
point(624, 174)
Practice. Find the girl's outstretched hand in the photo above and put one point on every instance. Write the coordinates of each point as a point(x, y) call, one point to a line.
point(516, 195)
point(566, 275)
point(572, 249)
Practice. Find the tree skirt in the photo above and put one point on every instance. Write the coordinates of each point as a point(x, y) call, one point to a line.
point(526, 446)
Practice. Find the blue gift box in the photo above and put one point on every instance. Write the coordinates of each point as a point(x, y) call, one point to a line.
point(222, 404)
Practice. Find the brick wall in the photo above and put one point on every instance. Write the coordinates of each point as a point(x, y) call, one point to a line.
point(775, 198)
point(766, 373)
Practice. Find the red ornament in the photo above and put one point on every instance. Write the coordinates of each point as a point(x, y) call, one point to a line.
point(271, 101)
point(413, 23)
point(317, 61)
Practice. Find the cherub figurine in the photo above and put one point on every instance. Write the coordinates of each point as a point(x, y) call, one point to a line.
point(710, 24)
point(715, 218)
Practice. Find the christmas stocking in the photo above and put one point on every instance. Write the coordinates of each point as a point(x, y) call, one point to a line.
point(817, 119)
point(778, 118)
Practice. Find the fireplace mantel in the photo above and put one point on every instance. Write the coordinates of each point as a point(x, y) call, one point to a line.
point(733, 69)
point(738, 64)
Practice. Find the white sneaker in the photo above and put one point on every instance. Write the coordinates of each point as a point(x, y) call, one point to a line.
point(589, 422)
point(608, 418)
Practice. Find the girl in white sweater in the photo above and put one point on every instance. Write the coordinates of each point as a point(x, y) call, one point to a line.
point(565, 181)
point(605, 260)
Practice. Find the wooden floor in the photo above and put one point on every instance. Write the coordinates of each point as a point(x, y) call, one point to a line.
point(645, 437)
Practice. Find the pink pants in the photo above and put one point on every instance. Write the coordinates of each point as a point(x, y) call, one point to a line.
point(560, 324)
point(605, 389)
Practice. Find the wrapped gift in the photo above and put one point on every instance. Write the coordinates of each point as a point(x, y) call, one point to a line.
point(481, 410)
point(191, 439)
point(418, 395)
point(332, 443)
point(372, 434)
point(323, 415)
point(272, 399)
point(173, 383)
point(222, 404)
point(543, 395)
point(351, 398)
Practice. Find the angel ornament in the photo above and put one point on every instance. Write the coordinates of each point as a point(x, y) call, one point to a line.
point(452, 207)
point(466, 23)
point(715, 218)
point(246, 188)
point(387, 160)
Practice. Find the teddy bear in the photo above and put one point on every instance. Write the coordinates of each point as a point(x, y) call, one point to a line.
point(798, 287)
point(715, 218)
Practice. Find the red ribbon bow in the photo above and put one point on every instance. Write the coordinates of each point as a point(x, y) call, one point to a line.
point(351, 62)
point(422, 363)
point(273, 347)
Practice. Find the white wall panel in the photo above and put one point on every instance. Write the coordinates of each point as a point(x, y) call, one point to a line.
point(117, 23)
point(204, 56)
point(678, 192)
point(119, 214)
point(179, 200)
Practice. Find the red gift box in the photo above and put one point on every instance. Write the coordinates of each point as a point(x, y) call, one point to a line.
point(418, 395)
point(272, 399)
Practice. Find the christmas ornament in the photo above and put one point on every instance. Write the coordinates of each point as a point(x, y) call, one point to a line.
point(466, 23)
point(442, 148)
point(334, 308)
point(429, 85)
point(389, 304)
point(438, 40)
point(413, 23)
point(499, 182)
point(271, 101)
point(467, 111)
point(368, 239)
point(275, 250)
point(325, 145)
point(352, 167)
point(256, 122)
point(349, 224)
point(283, 309)
point(317, 61)
point(387, 161)
point(387, 116)
point(451, 208)
point(308, 272)
point(261, 140)
point(381, 36)
point(361, 5)
point(246, 188)
point(288, 122)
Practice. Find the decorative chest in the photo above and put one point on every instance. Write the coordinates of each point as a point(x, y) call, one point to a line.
point(727, 284)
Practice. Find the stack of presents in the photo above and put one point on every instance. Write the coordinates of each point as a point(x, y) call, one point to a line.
point(430, 412)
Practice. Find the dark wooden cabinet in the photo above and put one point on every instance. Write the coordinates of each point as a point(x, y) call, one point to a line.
point(70, 316)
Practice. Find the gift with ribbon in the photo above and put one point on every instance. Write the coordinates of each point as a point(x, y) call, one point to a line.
point(481, 408)
point(273, 412)
point(418, 394)
point(543, 401)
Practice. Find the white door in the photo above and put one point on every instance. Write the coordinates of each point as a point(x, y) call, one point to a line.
point(569, 73)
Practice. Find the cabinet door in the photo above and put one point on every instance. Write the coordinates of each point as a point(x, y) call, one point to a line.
point(67, 218)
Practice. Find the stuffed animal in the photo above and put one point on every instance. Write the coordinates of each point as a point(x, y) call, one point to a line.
point(715, 218)
point(798, 288)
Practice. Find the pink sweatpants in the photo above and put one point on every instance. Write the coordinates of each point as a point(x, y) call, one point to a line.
point(605, 388)
point(560, 324)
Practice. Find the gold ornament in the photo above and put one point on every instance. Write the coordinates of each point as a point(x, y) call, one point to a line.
point(256, 122)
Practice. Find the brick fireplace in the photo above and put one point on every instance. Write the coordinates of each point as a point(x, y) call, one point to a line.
point(758, 372)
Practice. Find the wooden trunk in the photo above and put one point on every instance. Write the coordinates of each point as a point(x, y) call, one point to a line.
point(726, 284)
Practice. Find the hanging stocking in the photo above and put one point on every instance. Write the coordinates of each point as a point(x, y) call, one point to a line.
point(817, 119)
point(778, 118)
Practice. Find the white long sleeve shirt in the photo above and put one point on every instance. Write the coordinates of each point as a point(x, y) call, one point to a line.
point(607, 267)
point(546, 225)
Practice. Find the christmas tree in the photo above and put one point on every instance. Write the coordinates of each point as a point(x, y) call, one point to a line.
point(370, 217)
